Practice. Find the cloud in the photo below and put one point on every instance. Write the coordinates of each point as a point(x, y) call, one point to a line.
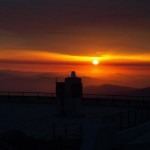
point(75, 26)
point(26, 15)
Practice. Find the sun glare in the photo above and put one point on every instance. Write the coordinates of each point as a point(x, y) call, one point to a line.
point(95, 62)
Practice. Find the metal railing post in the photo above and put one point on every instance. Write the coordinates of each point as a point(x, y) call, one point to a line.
point(54, 131)
point(66, 132)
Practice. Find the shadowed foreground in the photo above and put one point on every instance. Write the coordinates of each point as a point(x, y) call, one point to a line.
point(17, 140)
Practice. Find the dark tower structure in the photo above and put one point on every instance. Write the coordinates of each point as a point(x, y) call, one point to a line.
point(69, 94)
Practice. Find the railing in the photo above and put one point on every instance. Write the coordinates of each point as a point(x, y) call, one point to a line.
point(116, 100)
point(89, 99)
point(37, 94)
point(66, 131)
point(116, 97)
point(85, 96)
point(129, 118)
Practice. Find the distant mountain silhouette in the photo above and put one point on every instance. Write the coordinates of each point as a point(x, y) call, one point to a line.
point(142, 92)
point(34, 81)
point(109, 89)
point(45, 82)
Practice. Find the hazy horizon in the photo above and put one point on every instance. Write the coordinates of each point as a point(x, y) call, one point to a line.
point(45, 82)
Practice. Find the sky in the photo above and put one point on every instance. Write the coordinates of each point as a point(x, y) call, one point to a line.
point(60, 36)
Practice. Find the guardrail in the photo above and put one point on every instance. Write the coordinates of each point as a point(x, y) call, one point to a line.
point(37, 94)
point(89, 99)
point(67, 131)
point(116, 97)
point(129, 118)
point(86, 96)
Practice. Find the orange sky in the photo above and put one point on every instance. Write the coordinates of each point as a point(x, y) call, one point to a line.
point(60, 36)
point(41, 61)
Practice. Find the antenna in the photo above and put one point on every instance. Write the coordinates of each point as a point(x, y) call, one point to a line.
point(73, 74)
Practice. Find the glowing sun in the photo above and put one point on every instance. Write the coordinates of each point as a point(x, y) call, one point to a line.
point(95, 62)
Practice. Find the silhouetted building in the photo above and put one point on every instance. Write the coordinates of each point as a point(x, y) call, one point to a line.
point(69, 94)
